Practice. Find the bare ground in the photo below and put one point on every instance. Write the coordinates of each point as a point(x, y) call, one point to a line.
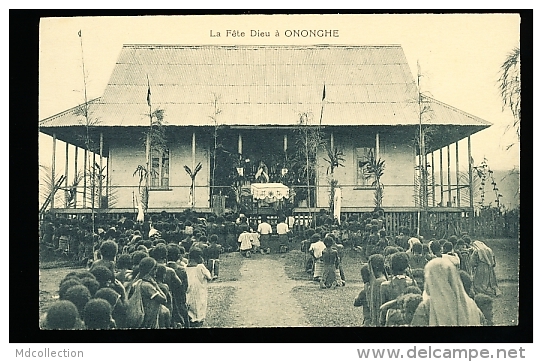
point(256, 292)
point(263, 297)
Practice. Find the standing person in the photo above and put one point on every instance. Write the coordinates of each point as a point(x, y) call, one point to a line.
point(305, 244)
point(378, 276)
point(152, 297)
point(230, 234)
point(330, 258)
point(175, 256)
point(213, 256)
point(362, 299)
point(445, 301)
point(196, 294)
point(174, 283)
point(483, 264)
point(449, 253)
point(165, 317)
point(265, 230)
point(398, 284)
point(316, 249)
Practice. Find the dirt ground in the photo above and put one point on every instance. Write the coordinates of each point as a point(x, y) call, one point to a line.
point(263, 295)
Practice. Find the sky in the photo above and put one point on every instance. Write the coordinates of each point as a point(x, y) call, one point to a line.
point(459, 55)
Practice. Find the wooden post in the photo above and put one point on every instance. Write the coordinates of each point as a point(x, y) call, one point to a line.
point(93, 183)
point(433, 175)
point(471, 194)
point(441, 179)
point(75, 171)
point(449, 177)
point(53, 162)
point(193, 203)
point(457, 174)
point(100, 183)
point(332, 141)
point(193, 150)
point(85, 179)
point(107, 166)
point(66, 179)
point(93, 192)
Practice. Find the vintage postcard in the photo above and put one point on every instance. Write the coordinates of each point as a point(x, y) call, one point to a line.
point(255, 171)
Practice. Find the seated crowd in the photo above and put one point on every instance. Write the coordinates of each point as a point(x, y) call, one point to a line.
point(155, 274)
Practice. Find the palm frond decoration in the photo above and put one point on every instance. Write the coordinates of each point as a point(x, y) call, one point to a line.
point(193, 174)
point(375, 171)
point(46, 185)
point(335, 159)
point(510, 86)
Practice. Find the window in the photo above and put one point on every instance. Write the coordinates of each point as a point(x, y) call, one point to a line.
point(363, 177)
point(160, 171)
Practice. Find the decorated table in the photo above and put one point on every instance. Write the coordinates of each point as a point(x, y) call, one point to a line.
point(269, 192)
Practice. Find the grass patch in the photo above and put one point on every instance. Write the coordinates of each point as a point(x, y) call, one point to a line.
point(294, 265)
point(218, 307)
point(329, 307)
point(230, 265)
point(507, 255)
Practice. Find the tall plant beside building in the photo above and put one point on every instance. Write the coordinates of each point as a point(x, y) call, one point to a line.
point(375, 171)
point(335, 159)
point(155, 141)
point(308, 141)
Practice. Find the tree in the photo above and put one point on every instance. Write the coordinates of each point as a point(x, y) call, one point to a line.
point(214, 117)
point(335, 159)
point(510, 86)
point(308, 141)
point(155, 142)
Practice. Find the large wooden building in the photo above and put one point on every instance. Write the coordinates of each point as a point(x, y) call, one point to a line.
point(364, 99)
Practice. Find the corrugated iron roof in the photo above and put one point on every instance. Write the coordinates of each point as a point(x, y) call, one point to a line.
point(262, 85)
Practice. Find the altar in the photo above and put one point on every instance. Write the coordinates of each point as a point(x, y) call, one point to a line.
point(269, 196)
point(269, 192)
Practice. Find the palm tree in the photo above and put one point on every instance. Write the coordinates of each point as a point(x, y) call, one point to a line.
point(510, 86)
point(193, 174)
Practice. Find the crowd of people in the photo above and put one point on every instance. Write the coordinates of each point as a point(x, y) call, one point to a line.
point(155, 274)
point(408, 281)
point(145, 275)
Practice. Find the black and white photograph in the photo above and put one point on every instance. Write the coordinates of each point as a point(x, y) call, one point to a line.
point(259, 171)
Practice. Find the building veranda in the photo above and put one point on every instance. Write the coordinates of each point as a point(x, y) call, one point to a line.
point(310, 118)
